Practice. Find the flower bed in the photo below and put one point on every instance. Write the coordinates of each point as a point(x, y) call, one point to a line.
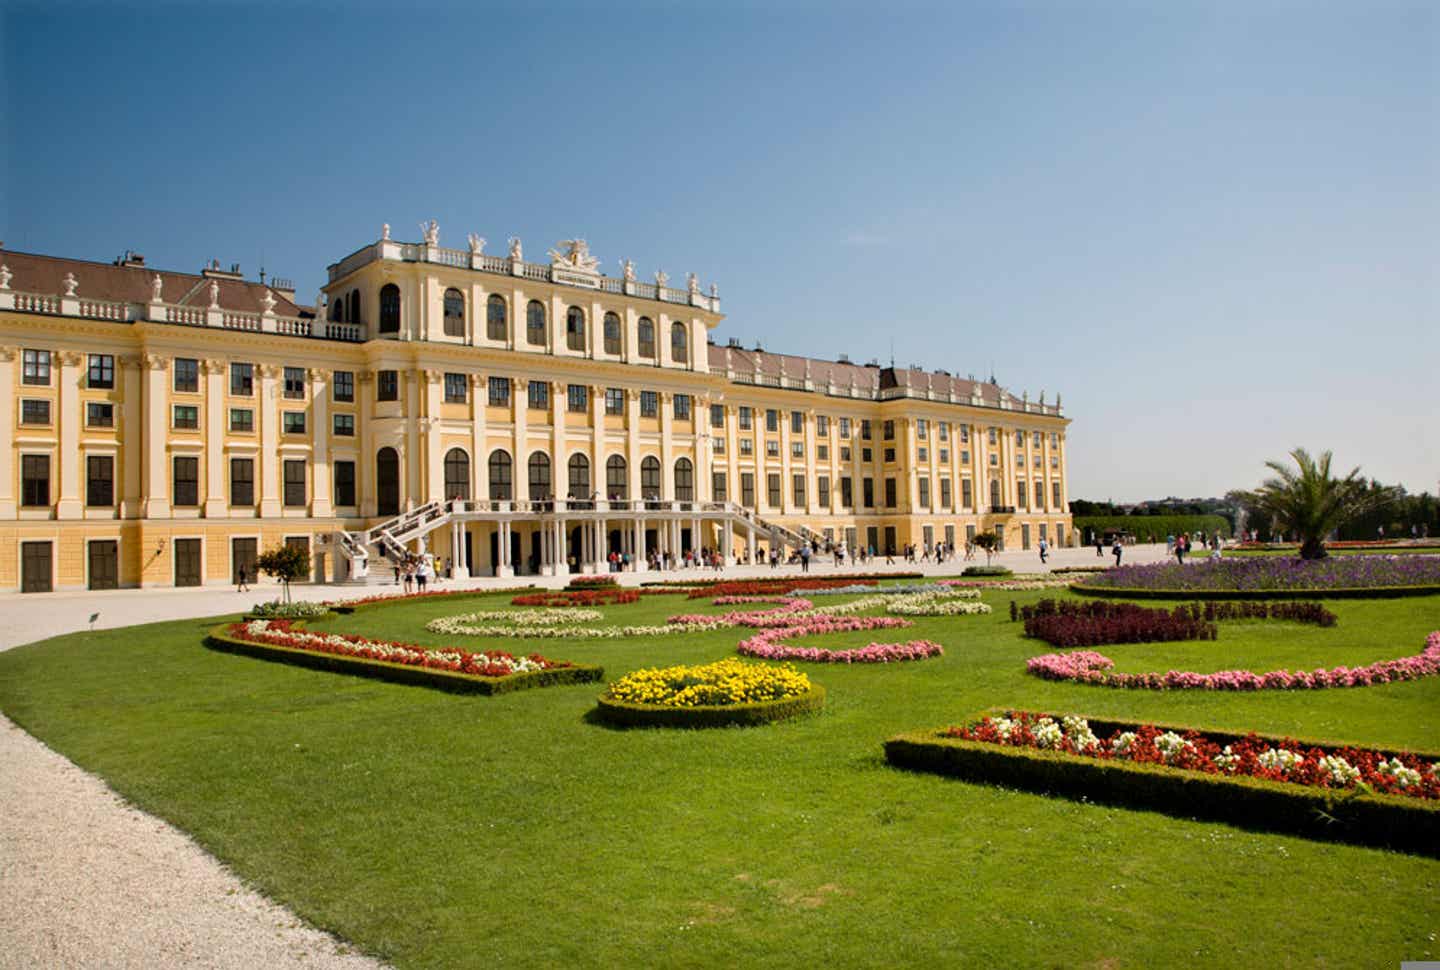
point(1008, 585)
point(387, 599)
point(770, 587)
point(592, 582)
point(1068, 624)
point(1271, 576)
point(554, 624)
point(951, 602)
point(578, 597)
point(1321, 789)
point(451, 668)
point(710, 695)
point(294, 610)
point(769, 645)
point(712, 582)
point(1089, 667)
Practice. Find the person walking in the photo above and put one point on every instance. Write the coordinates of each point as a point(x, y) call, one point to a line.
point(805, 558)
point(1099, 546)
point(242, 584)
point(1117, 550)
point(1044, 551)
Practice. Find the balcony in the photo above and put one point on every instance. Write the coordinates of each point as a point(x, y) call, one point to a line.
point(1002, 510)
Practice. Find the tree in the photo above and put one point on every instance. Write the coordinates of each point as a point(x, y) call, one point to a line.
point(1310, 503)
point(285, 563)
point(988, 541)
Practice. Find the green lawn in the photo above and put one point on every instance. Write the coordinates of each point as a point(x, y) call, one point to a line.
point(434, 829)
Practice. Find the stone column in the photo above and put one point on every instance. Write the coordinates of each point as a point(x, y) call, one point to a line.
point(320, 489)
point(269, 420)
point(502, 541)
point(68, 504)
point(155, 479)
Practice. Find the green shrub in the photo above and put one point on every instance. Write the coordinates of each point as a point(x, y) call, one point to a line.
point(987, 571)
point(403, 673)
point(1151, 528)
point(293, 610)
point(1376, 593)
point(623, 714)
point(1394, 821)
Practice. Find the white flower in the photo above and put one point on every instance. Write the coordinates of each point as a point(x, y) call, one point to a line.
point(1171, 745)
point(1077, 729)
point(1123, 742)
point(1227, 761)
point(1340, 771)
point(1404, 777)
point(1280, 759)
point(1047, 733)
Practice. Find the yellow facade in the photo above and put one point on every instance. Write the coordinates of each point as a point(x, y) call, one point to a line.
point(193, 420)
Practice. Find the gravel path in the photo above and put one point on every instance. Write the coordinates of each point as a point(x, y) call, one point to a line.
point(87, 880)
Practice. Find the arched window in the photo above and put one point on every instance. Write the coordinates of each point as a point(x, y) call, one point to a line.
point(612, 334)
point(540, 486)
point(387, 482)
point(994, 493)
point(650, 478)
point(646, 332)
point(501, 476)
point(684, 481)
point(575, 328)
point(617, 482)
point(496, 325)
point(337, 309)
point(354, 315)
point(389, 308)
point(535, 323)
point(579, 476)
point(679, 343)
point(454, 313)
point(457, 475)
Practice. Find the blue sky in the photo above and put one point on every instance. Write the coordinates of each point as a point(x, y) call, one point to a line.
point(1213, 228)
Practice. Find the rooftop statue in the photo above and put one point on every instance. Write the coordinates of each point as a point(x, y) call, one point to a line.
point(477, 244)
point(516, 253)
point(431, 230)
point(574, 254)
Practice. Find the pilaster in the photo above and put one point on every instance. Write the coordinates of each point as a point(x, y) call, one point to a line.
point(321, 491)
point(155, 480)
point(481, 483)
point(132, 435)
point(434, 484)
point(268, 417)
point(8, 508)
point(216, 500)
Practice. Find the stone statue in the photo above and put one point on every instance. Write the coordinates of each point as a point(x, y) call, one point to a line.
point(70, 283)
point(628, 267)
point(477, 244)
point(5, 277)
point(385, 232)
point(431, 230)
point(692, 283)
point(661, 278)
point(214, 295)
point(1057, 400)
point(320, 305)
point(714, 291)
point(268, 302)
point(156, 285)
point(1042, 399)
point(977, 390)
point(516, 253)
point(574, 254)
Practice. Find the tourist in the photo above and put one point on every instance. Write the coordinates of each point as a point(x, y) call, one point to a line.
point(1099, 550)
point(1117, 550)
point(241, 584)
point(1044, 550)
point(805, 558)
point(422, 574)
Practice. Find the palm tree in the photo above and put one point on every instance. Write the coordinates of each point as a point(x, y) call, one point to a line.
point(1310, 502)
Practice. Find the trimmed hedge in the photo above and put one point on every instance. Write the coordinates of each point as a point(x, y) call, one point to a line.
point(1373, 593)
point(1155, 526)
point(1390, 821)
point(624, 714)
point(219, 639)
point(987, 571)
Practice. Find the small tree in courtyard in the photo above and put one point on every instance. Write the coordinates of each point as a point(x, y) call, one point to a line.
point(988, 541)
point(1310, 503)
point(285, 563)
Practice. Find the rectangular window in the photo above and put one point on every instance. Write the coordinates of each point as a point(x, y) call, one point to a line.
point(847, 493)
point(772, 488)
point(242, 481)
point(822, 452)
point(1055, 497)
point(964, 434)
point(747, 489)
point(889, 455)
point(797, 422)
point(499, 392)
point(888, 430)
point(1022, 495)
point(187, 375)
point(717, 415)
point(186, 417)
point(1019, 461)
point(185, 482)
point(34, 480)
point(35, 369)
point(747, 446)
point(717, 487)
point(865, 429)
point(34, 411)
point(682, 407)
point(1054, 461)
point(343, 426)
point(944, 427)
point(295, 383)
point(845, 427)
point(242, 419)
point(101, 372)
point(922, 454)
point(614, 401)
point(822, 491)
point(845, 453)
point(867, 492)
point(387, 385)
point(890, 493)
point(537, 395)
point(994, 460)
point(1037, 439)
point(797, 449)
point(924, 487)
point(993, 433)
point(922, 428)
point(747, 418)
point(577, 397)
point(1019, 439)
point(946, 495)
point(293, 422)
point(99, 415)
point(772, 448)
point(456, 389)
point(100, 480)
point(717, 445)
point(967, 494)
point(342, 385)
point(1040, 496)
point(294, 484)
point(797, 490)
point(822, 425)
point(242, 380)
point(345, 483)
point(1035, 460)
point(1054, 439)
point(649, 404)
point(866, 455)
point(944, 456)
point(772, 420)
point(964, 457)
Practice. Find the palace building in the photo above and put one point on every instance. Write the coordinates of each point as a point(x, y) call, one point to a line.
point(515, 417)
